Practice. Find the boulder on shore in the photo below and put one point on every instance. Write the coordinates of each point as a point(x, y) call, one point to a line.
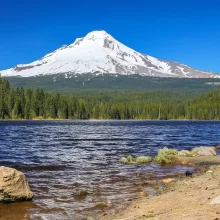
point(13, 186)
point(205, 151)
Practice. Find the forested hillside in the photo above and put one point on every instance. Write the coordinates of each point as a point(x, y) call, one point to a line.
point(20, 103)
point(66, 84)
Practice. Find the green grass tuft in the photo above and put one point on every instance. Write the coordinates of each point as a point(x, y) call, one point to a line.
point(143, 159)
point(130, 159)
point(187, 153)
point(166, 156)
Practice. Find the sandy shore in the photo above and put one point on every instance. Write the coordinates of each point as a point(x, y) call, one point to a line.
point(187, 199)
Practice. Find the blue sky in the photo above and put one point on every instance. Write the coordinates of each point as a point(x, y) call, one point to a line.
point(187, 31)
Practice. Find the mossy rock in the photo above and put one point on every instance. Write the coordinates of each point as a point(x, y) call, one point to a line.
point(123, 160)
point(130, 158)
point(143, 159)
point(187, 153)
point(150, 183)
point(139, 160)
point(166, 156)
point(81, 193)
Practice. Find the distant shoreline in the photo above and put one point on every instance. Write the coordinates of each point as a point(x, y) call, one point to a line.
point(58, 119)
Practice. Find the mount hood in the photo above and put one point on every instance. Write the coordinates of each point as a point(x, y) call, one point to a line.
point(100, 53)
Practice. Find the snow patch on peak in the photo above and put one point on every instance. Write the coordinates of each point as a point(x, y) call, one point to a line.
point(96, 35)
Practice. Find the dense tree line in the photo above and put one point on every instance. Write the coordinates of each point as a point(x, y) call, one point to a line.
point(18, 103)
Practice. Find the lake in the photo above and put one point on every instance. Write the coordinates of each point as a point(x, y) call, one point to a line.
point(62, 158)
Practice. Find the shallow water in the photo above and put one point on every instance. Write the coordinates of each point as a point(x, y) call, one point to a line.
point(60, 158)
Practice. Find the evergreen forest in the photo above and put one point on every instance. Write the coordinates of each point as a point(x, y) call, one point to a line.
point(20, 103)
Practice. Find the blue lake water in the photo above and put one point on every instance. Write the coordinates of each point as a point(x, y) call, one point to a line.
point(60, 158)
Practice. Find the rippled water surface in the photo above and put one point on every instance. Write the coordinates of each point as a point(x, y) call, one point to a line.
point(61, 158)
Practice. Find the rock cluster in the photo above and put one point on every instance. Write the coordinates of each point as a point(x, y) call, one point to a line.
point(172, 156)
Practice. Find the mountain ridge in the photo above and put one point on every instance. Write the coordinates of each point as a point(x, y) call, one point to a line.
point(100, 53)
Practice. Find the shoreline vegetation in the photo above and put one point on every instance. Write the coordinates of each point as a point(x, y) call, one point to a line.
point(171, 156)
point(176, 197)
point(195, 197)
point(94, 119)
point(29, 104)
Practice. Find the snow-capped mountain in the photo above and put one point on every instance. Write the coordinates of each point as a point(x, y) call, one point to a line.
point(98, 52)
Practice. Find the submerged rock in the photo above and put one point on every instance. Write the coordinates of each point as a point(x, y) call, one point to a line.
point(217, 147)
point(142, 194)
point(150, 183)
point(189, 173)
point(81, 193)
point(13, 186)
point(156, 187)
point(169, 180)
